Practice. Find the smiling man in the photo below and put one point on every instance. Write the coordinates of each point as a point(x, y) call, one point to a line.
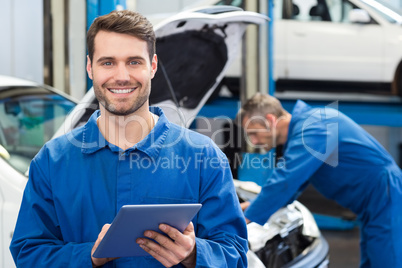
point(75, 190)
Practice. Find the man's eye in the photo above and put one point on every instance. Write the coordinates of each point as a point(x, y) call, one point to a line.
point(134, 62)
point(107, 63)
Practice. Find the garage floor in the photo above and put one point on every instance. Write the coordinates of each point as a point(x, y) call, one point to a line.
point(343, 244)
point(344, 249)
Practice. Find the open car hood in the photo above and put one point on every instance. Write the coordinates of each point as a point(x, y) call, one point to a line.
point(194, 50)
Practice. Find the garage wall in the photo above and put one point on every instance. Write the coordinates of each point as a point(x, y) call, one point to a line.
point(21, 46)
point(389, 137)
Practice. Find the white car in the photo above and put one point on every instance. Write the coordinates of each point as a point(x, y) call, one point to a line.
point(333, 45)
point(29, 116)
point(337, 44)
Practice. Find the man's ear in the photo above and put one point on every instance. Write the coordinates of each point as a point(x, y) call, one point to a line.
point(154, 65)
point(271, 119)
point(89, 68)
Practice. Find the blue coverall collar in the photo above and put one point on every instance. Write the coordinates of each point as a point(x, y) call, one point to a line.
point(93, 140)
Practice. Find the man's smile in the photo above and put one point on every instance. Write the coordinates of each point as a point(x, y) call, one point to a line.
point(121, 90)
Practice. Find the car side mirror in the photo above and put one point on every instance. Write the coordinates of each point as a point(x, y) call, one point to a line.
point(3, 153)
point(359, 16)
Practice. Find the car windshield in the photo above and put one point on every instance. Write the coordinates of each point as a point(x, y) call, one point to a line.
point(29, 116)
point(388, 12)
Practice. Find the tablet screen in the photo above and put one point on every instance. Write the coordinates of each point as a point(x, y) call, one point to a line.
point(132, 221)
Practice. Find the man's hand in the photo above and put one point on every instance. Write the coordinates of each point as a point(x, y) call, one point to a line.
point(101, 261)
point(244, 205)
point(172, 249)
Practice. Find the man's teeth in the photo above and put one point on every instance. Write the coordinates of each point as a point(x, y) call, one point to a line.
point(121, 91)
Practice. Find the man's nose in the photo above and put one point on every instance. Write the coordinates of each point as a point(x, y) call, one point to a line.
point(253, 139)
point(122, 73)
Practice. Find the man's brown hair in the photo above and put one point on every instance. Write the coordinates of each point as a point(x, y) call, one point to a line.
point(259, 106)
point(124, 22)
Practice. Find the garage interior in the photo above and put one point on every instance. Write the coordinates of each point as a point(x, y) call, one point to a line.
point(56, 56)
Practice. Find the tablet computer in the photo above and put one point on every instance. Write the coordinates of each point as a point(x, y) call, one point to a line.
point(132, 221)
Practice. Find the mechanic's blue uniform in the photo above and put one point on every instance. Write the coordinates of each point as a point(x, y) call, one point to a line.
point(79, 181)
point(346, 164)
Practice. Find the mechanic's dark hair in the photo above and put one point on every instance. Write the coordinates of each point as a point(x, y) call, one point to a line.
point(124, 22)
point(259, 106)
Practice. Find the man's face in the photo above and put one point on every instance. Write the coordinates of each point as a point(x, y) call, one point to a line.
point(121, 72)
point(259, 132)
